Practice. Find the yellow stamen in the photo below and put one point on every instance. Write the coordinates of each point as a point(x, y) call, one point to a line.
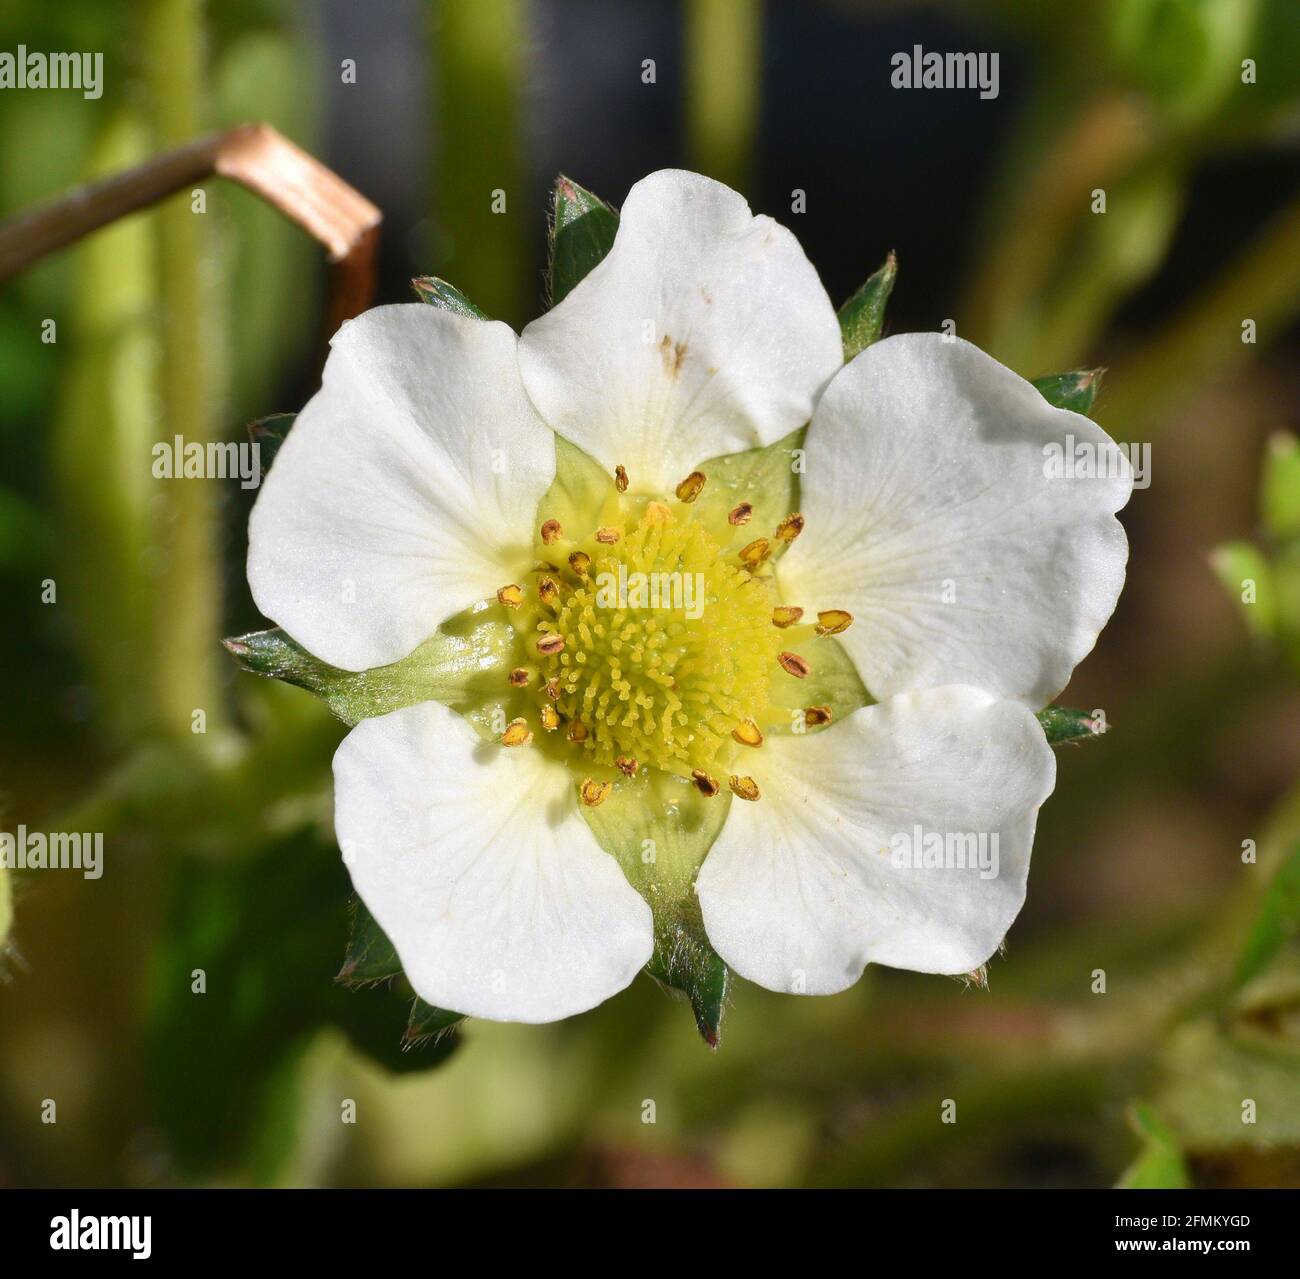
point(547, 591)
point(519, 677)
point(595, 793)
point(786, 616)
point(744, 787)
point(580, 562)
point(756, 552)
point(833, 621)
point(790, 527)
point(577, 731)
point(689, 489)
point(551, 531)
point(553, 688)
point(620, 479)
point(607, 536)
point(794, 665)
point(517, 733)
point(626, 765)
point(657, 513)
point(511, 596)
point(549, 644)
point(747, 733)
point(741, 514)
point(814, 716)
point(706, 785)
point(550, 718)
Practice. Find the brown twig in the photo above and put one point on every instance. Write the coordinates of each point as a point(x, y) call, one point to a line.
point(255, 156)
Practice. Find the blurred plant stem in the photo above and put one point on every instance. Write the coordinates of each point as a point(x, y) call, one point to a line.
point(188, 620)
point(723, 79)
point(480, 201)
point(1204, 341)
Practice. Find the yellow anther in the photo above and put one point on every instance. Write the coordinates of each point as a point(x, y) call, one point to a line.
point(833, 621)
point(547, 591)
point(741, 514)
point(756, 552)
point(794, 665)
point(689, 489)
point(519, 677)
point(511, 596)
point(815, 716)
point(577, 731)
point(706, 785)
point(549, 644)
point(517, 733)
point(785, 616)
point(626, 765)
point(595, 793)
point(580, 562)
point(607, 536)
point(551, 531)
point(550, 718)
point(790, 527)
point(747, 733)
point(744, 787)
point(657, 513)
point(620, 478)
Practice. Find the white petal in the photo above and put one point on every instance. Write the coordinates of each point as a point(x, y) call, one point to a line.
point(704, 331)
point(802, 889)
point(472, 857)
point(406, 490)
point(932, 518)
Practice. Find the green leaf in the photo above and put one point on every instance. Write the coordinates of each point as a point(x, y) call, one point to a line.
point(1074, 391)
point(1248, 578)
point(268, 433)
point(370, 956)
point(862, 317)
point(582, 232)
point(1061, 724)
point(1280, 487)
point(659, 829)
point(462, 665)
point(1159, 1164)
point(436, 292)
point(1277, 923)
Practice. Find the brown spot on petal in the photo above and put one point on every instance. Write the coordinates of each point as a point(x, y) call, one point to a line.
point(673, 353)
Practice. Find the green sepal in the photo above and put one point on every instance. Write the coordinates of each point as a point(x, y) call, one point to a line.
point(1061, 724)
point(1159, 1164)
point(659, 828)
point(583, 227)
point(862, 317)
point(370, 957)
point(268, 433)
point(431, 1027)
point(377, 1023)
point(1075, 391)
point(462, 664)
point(437, 292)
point(1280, 487)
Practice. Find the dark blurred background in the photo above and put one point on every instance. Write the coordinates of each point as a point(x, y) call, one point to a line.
point(219, 852)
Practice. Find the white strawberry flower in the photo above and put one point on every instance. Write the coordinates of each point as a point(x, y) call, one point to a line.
point(420, 485)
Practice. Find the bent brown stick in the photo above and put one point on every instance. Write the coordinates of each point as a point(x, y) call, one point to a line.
point(254, 155)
